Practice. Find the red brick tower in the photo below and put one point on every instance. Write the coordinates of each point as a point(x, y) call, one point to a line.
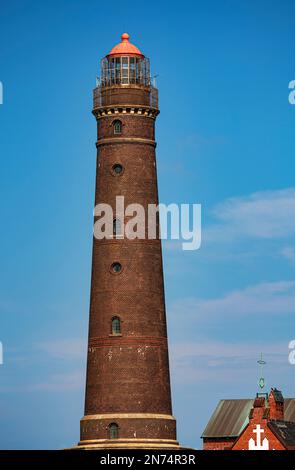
point(128, 399)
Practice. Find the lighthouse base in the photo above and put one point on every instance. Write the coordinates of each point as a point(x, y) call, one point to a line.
point(145, 444)
point(132, 431)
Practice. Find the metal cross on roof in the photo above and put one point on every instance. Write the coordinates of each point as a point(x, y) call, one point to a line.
point(261, 381)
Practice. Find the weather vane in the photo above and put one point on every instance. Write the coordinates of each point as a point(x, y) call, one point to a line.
point(261, 381)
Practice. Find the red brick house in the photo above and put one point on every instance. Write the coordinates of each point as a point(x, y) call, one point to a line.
point(265, 423)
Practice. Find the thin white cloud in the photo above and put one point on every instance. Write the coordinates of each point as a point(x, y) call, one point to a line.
point(68, 380)
point(288, 252)
point(261, 215)
point(60, 382)
point(72, 348)
point(271, 298)
point(219, 362)
point(222, 351)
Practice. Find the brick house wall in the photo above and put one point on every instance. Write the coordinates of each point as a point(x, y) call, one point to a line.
point(243, 441)
point(225, 444)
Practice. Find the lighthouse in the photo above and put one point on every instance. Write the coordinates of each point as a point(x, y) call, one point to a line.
point(128, 395)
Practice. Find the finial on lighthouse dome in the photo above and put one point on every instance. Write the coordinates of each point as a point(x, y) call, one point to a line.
point(125, 37)
point(125, 48)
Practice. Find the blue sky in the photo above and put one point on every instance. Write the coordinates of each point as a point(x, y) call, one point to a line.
point(225, 140)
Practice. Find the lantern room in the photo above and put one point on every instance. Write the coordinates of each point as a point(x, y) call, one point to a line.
point(125, 65)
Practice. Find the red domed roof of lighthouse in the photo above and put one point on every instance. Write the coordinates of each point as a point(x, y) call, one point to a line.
point(125, 48)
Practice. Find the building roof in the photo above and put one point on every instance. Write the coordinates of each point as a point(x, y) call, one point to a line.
point(277, 395)
point(284, 431)
point(231, 417)
point(289, 407)
point(125, 48)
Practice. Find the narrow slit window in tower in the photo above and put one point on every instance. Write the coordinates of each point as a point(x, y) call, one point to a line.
point(114, 431)
point(117, 229)
point(117, 127)
point(116, 326)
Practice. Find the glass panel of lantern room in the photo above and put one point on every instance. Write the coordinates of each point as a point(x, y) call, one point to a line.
point(137, 70)
point(118, 70)
point(143, 72)
point(124, 62)
point(140, 63)
point(125, 70)
point(112, 71)
point(147, 72)
point(104, 71)
point(125, 80)
point(132, 70)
